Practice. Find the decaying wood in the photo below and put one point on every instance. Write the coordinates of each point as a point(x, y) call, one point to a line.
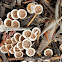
point(19, 2)
point(50, 25)
point(49, 30)
point(3, 57)
point(55, 48)
point(60, 31)
point(44, 2)
point(2, 12)
point(44, 43)
point(9, 4)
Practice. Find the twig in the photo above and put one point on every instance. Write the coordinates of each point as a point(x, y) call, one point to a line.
point(46, 37)
point(57, 10)
point(8, 52)
point(47, 9)
point(32, 19)
point(20, 6)
point(51, 8)
point(27, 1)
point(54, 58)
point(47, 1)
point(38, 39)
point(12, 59)
point(12, 29)
point(47, 21)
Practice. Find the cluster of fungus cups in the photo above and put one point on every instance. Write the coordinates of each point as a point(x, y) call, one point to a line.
point(19, 42)
point(11, 20)
point(34, 8)
point(11, 23)
point(15, 14)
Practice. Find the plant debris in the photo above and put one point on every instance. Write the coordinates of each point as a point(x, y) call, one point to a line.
point(31, 30)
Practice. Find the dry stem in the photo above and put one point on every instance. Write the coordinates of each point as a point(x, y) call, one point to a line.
point(32, 19)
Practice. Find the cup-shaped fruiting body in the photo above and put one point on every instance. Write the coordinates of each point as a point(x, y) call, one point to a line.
point(11, 51)
point(8, 46)
point(7, 22)
point(8, 41)
point(14, 14)
point(26, 44)
point(48, 52)
point(15, 49)
point(21, 38)
point(13, 44)
point(19, 45)
point(60, 47)
point(3, 49)
point(31, 8)
point(16, 37)
point(30, 52)
point(15, 24)
point(33, 37)
point(1, 22)
point(9, 16)
point(36, 30)
point(21, 13)
point(12, 39)
point(26, 33)
point(38, 9)
point(18, 54)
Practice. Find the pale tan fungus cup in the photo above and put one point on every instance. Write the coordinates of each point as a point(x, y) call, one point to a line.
point(14, 14)
point(16, 37)
point(31, 8)
point(26, 33)
point(3, 49)
point(21, 13)
point(15, 24)
point(30, 52)
point(48, 52)
point(26, 44)
point(7, 22)
point(18, 54)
